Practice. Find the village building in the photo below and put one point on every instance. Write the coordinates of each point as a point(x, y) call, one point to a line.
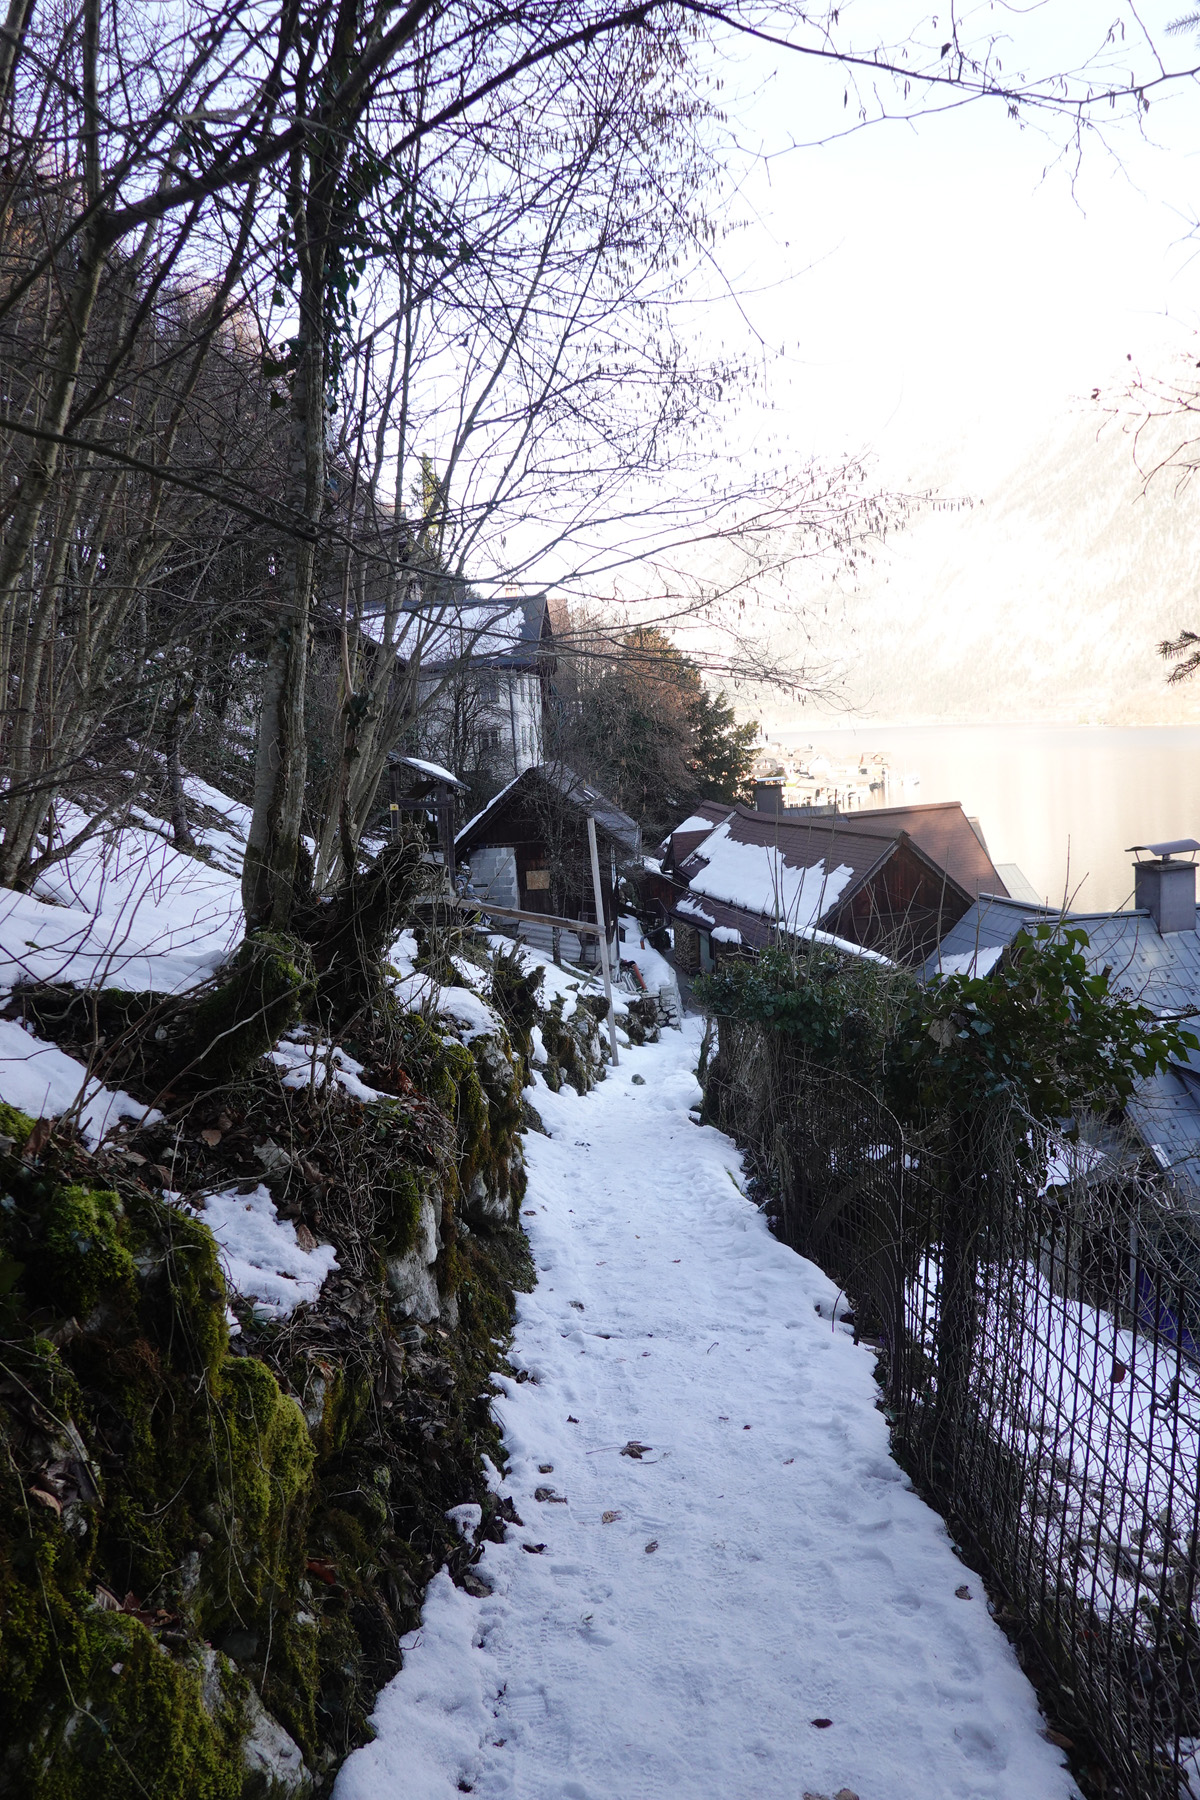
point(891, 881)
point(486, 676)
point(528, 848)
point(1153, 954)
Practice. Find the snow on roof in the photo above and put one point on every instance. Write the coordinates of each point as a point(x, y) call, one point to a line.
point(692, 909)
point(496, 632)
point(484, 810)
point(980, 961)
point(434, 770)
point(758, 878)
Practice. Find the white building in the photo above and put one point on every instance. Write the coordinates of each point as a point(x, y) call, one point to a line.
point(485, 682)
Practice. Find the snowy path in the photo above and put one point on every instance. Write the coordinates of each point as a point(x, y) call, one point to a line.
point(675, 1630)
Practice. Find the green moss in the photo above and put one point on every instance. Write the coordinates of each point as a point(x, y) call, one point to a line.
point(213, 1491)
point(399, 1202)
point(514, 994)
point(572, 1053)
point(84, 1254)
point(15, 1125)
point(263, 1458)
point(335, 1402)
point(268, 984)
point(91, 1708)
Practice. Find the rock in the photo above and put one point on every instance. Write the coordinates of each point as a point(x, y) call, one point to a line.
point(638, 1080)
point(274, 1158)
point(273, 1762)
point(483, 1207)
point(411, 1280)
point(531, 1119)
point(240, 1646)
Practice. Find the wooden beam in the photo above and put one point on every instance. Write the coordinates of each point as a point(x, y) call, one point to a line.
point(581, 927)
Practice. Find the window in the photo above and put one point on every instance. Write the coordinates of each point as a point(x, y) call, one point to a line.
point(488, 688)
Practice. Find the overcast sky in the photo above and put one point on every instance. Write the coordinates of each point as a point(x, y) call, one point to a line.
point(948, 284)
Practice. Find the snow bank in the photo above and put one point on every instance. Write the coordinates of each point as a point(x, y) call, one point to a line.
point(133, 913)
point(43, 1081)
point(306, 1061)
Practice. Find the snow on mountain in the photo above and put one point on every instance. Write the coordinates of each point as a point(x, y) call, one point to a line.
point(1036, 588)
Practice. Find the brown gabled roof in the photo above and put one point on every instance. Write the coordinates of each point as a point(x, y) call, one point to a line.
point(799, 848)
point(942, 830)
point(680, 844)
point(802, 843)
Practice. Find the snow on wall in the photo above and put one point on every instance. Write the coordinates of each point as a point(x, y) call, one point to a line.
point(260, 1254)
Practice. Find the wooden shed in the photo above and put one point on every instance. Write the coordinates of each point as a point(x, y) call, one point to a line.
point(528, 848)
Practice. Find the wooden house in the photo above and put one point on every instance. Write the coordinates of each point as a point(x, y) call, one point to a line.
point(744, 879)
point(528, 848)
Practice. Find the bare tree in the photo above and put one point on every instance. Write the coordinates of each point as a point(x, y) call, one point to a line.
point(227, 154)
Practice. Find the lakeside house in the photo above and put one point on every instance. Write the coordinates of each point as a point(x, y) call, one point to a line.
point(891, 881)
point(1153, 954)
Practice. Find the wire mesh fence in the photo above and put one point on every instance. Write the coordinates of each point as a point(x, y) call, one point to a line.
point(1037, 1307)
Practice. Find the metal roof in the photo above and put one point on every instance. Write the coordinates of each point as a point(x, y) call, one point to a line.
point(1172, 848)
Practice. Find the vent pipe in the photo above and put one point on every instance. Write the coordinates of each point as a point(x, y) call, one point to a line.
point(1166, 887)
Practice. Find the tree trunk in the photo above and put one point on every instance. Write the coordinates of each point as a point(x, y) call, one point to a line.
point(281, 759)
point(179, 819)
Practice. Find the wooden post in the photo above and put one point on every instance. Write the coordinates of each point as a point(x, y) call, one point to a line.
point(602, 939)
point(445, 822)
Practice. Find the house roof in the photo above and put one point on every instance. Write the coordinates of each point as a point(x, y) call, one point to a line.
point(1161, 970)
point(691, 831)
point(775, 869)
point(493, 634)
point(433, 772)
point(496, 633)
point(733, 924)
point(943, 831)
point(490, 825)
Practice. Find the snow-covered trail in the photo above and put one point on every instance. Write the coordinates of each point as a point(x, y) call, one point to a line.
point(757, 1608)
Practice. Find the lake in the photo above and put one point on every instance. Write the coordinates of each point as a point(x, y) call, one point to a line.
point(1062, 801)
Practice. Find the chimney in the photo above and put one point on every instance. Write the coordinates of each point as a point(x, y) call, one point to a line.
point(768, 796)
point(1166, 887)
